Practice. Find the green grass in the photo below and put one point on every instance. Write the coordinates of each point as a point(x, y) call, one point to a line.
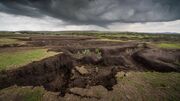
point(169, 45)
point(5, 41)
point(33, 95)
point(126, 35)
point(112, 40)
point(87, 52)
point(27, 93)
point(148, 86)
point(9, 60)
point(22, 94)
point(168, 83)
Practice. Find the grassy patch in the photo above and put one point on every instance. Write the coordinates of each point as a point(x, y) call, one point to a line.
point(33, 95)
point(10, 60)
point(7, 41)
point(22, 94)
point(112, 40)
point(169, 83)
point(87, 52)
point(148, 86)
point(169, 45)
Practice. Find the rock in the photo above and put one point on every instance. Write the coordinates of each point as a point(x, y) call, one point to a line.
point(81, 70)
point(97, 70)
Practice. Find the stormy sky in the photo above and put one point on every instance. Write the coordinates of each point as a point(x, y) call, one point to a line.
point(105, 15)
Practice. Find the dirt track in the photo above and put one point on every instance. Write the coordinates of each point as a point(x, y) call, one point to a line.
point(59, 73)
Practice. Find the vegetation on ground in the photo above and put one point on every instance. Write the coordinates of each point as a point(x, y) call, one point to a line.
point(9, 60)
point(169, 45)
point(125, 36)
point(87, 52)
point(122, 36)
point(22, 94)
point(7, 41)
point(112, 40)
point(147, 86)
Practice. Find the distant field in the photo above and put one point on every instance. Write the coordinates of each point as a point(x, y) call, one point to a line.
point(10, 60)
point(111, 40)
point(127, 35)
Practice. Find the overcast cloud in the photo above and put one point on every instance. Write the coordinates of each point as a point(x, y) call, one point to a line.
point(111, 15)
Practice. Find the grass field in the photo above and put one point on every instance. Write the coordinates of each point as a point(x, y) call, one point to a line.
point(25, 93)
point(126, 35)
point(147, 86)
point(112, 40)
point(169, 45)
point(10, 60)
point(5, 41)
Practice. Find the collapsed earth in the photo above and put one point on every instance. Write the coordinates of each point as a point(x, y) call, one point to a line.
point(89, 66)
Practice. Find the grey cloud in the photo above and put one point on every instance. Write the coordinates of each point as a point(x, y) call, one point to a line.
point(97, 12)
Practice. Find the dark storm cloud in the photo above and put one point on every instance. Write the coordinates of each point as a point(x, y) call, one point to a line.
point(96, 12)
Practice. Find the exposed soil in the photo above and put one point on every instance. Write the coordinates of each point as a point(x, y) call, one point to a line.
point(158, 60)
point(55, 74)
point(58, 73)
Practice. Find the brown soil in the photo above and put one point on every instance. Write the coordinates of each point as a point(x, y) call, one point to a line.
point(55, 74)
point(158, 60)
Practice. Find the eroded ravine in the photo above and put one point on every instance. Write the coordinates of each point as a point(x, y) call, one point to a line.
point(58, 73)
point(54, 74)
